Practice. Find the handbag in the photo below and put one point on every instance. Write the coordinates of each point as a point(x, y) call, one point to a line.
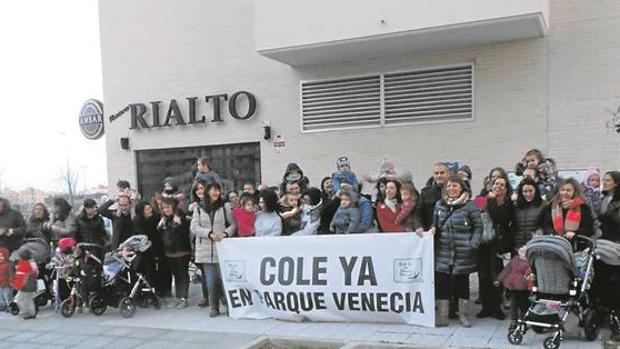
point(488, 228)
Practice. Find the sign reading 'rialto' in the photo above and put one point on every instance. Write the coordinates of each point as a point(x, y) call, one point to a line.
point(241, 106)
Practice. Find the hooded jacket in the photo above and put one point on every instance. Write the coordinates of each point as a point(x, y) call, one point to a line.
point(11, 219)
point(293, 173)
point(347, 219)
point(311, 214)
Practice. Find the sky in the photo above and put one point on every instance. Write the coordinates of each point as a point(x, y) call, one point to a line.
point(49, 66)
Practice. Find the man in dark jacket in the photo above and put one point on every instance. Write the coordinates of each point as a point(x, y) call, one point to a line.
point(90, 227)
point(122, 227)
point(431, 194)
point(12, 226)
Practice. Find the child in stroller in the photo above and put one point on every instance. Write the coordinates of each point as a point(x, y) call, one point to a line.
point(40, 252)
point(85, 278)
point(125, 284)
point(561, 288)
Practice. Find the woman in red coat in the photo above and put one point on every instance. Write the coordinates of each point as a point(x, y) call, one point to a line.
point(388, 209)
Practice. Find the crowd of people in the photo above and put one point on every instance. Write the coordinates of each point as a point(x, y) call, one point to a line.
point(186, 226)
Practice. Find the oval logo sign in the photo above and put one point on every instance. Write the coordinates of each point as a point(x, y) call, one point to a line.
point(91, 119)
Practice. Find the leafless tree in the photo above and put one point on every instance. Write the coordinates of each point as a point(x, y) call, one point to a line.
point(69, 181)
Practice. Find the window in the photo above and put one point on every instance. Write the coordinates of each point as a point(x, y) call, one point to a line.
point(435, 94)
point(236, 163)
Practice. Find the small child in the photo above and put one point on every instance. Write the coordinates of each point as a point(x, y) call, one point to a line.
point(344, 174)
point(6, 274)
point(25, 282)
point(515, 278)
point(387, 170)
point(290, 213)
point(592, 189)
point(406, 217)
point(347, 217)
point(245, 215)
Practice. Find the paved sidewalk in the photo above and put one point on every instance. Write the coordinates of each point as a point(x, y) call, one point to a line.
point(168, 328)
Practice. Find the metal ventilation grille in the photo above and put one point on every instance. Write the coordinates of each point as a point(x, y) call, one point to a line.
point(342, 103)
point(428, 95)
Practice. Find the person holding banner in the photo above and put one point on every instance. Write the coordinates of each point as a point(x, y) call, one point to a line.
point(388, 210)
point(268, 222)
point(212, 222)
point(457, 228)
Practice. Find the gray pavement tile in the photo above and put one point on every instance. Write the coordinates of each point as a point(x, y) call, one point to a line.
point(7, 334)
point(70, 339)
point(121, 343)
point(49, 337)
point(23, 336)
point(97, 342)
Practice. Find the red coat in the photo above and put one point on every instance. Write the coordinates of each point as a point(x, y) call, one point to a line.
point(5, 267)
point(514, 276)
point(387, 219)
point(245, 222)
point(23, 271)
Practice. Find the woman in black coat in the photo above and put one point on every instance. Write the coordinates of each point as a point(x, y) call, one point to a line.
point(156, 271)
point(607, 277)
point(501, 212)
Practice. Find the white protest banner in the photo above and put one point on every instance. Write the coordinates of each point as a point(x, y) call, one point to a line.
point(386, 277)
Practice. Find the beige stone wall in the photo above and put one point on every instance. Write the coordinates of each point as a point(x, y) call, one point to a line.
point(551, 93)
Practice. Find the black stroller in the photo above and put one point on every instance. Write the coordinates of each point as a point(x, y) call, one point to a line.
point(40, 252)
point(125, 286)
point(85, 279)
point(608, 257)
point(563, 281)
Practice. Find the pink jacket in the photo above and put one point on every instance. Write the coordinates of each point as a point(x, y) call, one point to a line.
point(245, 221)
point(514, 276)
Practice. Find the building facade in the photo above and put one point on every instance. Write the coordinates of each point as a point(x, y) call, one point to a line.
point(477, 81)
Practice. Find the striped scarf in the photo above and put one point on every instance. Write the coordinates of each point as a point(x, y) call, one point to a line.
point(573, 217)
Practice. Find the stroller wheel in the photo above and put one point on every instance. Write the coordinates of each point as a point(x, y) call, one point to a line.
point(67, 308)
point(552, 342)
point(614, 323)
point(98, 305)
point(515, 337)
point(14, 309)
point(127, 307)
point(590, 325)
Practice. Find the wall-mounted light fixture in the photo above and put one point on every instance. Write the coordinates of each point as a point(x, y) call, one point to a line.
point(267, 130)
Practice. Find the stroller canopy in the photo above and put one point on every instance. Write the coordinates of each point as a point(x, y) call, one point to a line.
point(552, 258)
point(608, 252)
point(138, 243)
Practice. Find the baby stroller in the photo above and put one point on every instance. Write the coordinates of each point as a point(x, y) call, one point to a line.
point(608, 256)
point(40, 252)
point(85, 279)
point(125, 286)
point(562, 282)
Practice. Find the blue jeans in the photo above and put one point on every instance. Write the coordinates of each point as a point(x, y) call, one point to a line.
point(213, 279)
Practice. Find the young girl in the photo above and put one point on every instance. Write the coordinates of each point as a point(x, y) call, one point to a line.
point(406, 217)
point(515, 278)
point(25, 282)
point(592, 189)
point(290, 213)
point(387, 170)
point(245, 216)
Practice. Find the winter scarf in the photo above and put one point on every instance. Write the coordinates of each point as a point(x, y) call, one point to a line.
point(573, 216)
point(392, 204)
point(461, 200)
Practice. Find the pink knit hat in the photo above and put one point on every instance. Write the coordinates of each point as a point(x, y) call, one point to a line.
point(592, 171)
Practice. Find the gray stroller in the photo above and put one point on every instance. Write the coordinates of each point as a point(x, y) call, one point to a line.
point(563, 279)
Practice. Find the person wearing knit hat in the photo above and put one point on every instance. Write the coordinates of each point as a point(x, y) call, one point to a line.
point(347, 218)
point(343, 174)
point(465, 172)
point(591, 184)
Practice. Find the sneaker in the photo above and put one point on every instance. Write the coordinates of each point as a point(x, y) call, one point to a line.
point(214, 312)
point(30, 317)
point(203, 303)
point(182, 303)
